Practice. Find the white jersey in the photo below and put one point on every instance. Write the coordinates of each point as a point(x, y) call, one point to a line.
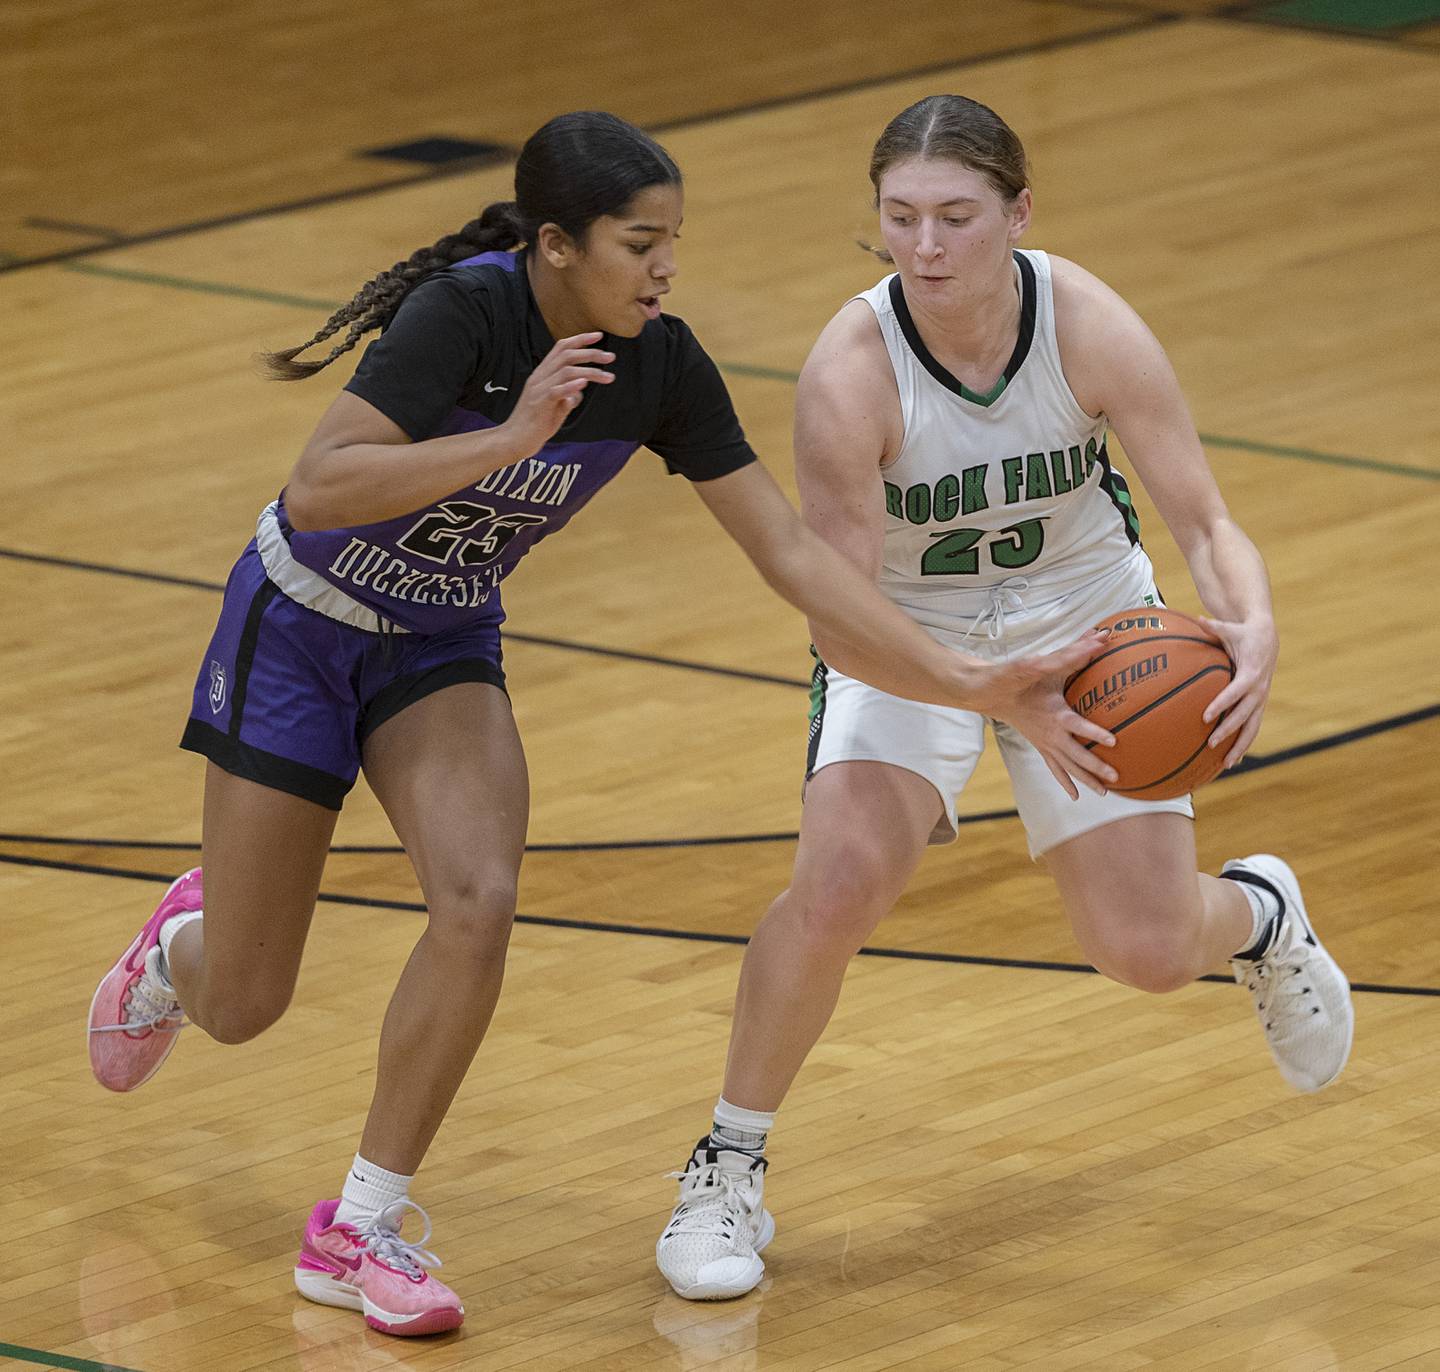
point(999, 501)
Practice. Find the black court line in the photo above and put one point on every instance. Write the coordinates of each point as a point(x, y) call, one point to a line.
point(575, 646)
point(538, 640)
point(1141, 21)
point(687, 935)
point(1134, 25)
point(1256, 762)
point(1253, 763)
point(619, 845)
point(69, 226)
point(221, 221)
point(1380, 726)
point(106, 569)
point(1041, 45)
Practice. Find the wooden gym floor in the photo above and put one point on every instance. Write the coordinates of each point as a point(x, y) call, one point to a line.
point(994, 1159)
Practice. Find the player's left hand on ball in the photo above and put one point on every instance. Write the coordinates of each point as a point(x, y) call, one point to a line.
point(1254, 649)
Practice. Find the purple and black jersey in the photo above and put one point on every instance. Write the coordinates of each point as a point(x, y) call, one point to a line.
point(455, 359)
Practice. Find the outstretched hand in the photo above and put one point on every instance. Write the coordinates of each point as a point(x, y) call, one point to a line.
point(555, 387)
point(1027, 693)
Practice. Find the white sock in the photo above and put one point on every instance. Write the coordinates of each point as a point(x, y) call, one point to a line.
point(368, 1190)
point(168, 930)
point(736, 1127)
point(1264, 920)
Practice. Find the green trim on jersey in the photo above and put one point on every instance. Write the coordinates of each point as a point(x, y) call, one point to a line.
point(1114, 485)
point(818, 684)
point(990, 396)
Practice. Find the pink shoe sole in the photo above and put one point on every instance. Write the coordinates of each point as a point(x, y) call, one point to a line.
point(122, 1061)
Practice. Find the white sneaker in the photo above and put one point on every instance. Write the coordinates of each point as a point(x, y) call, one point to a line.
point(1300, 994)
point(710, 1249)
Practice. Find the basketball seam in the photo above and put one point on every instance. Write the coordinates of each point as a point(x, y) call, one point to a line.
point(1155, 704)
point(1160, 781)
point(1149, 638)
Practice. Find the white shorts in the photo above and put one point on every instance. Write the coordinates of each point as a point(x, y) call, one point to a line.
point(853, 722)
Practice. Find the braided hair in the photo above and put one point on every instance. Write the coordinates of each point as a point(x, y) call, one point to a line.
point(571, 172)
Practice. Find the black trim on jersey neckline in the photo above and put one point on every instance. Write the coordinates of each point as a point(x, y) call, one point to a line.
point(946, 378)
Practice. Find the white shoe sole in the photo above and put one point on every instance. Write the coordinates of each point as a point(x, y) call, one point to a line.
point(324, 1289)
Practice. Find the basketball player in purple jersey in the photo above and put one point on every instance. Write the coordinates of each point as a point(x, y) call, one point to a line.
point(950, 431)
point(362, 627)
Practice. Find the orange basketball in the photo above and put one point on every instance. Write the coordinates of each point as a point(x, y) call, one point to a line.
point(1149, 686)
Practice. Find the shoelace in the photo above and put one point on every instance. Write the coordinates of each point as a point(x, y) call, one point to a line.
point(1004, 597)
point(382, 1240)
point(707, 1196)
point(1257, 979)
point(146, 1006)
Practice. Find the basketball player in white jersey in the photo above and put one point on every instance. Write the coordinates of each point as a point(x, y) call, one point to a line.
point(951, 441)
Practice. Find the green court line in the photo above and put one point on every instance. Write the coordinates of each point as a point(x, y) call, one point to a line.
point(762, 373)
point(1368, 464)
point(38, 1355)
point(1373, 15)
point(189, 283)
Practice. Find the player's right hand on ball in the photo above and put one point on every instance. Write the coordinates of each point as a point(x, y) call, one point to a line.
point(1027, 693)
point(555, 388)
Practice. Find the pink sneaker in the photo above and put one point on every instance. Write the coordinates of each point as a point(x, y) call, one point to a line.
point(376, 1271)
point(134, 1016)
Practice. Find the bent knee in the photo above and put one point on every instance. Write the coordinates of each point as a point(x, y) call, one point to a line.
point(243, 1012)
point(1155, 964)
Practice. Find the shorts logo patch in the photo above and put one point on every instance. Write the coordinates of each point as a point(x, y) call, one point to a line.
point(217, 687)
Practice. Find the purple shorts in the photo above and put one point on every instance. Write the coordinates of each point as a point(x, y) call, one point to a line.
point(287, 696)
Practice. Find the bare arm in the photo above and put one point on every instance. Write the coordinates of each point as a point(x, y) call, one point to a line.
point(1116, 365)
point(353, 472)
point(805, 570)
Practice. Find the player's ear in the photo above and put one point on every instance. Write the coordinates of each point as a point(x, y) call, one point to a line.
point(555, 245)
point(1019, 213)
